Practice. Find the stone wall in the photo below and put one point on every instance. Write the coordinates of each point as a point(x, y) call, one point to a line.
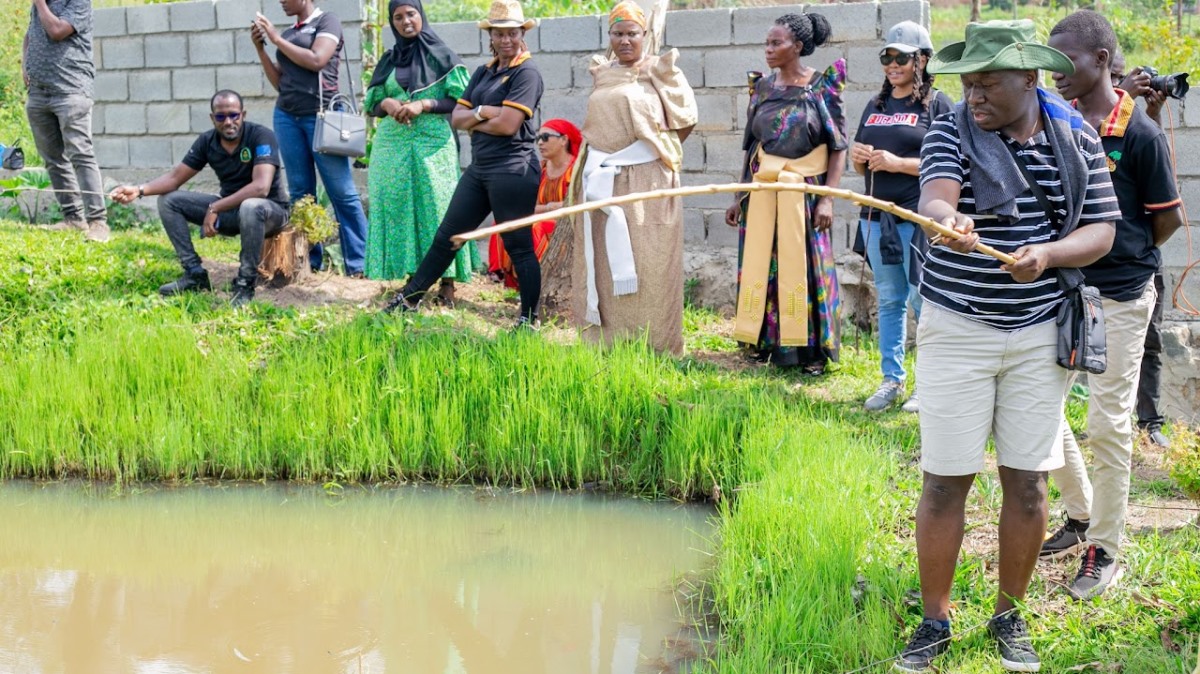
point(159, 64)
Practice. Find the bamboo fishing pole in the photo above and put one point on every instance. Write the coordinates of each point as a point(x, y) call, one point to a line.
point(822, 190)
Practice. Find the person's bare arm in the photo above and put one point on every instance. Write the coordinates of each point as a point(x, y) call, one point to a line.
point(507, 123)
point(1164, 224)
point(939, 201)
point(56, 28)
point(269, 66)
point(1078, 249)
point(685, 132)
point(463, 118)
point(167, 182)
point(323, 48)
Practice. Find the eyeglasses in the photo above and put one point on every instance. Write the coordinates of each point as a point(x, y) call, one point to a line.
point(545, 137)
point(900, 59)
point(227, 116)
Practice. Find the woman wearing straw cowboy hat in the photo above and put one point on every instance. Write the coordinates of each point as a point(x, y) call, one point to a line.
point(497, 110)
point(987, 337)
point(640, 110)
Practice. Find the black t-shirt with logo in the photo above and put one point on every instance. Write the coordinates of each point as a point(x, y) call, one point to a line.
point(898, 128)
point(1139, 161)
point(519, 87)
point(297, 84)
point(235, 169)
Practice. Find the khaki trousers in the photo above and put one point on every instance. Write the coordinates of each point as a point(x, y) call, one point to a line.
point(1110, 430)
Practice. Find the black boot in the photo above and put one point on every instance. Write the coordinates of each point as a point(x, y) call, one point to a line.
point(243, 291)
point(193, 280)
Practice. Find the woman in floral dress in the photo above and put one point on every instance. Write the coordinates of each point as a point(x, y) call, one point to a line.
point(414, 156)
point(788, 308)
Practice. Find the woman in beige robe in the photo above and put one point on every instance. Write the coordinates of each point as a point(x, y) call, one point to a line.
point(636, 97)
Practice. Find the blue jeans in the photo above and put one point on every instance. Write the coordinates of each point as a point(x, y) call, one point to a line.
point(295, 135)
point(895, 294)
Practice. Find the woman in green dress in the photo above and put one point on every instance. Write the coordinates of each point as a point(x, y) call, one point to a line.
point(414, 157)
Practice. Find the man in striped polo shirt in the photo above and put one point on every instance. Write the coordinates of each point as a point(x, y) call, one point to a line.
point(1139, 161)
point(987, 336)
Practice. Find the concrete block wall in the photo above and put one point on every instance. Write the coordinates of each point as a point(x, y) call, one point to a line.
point(157, 66)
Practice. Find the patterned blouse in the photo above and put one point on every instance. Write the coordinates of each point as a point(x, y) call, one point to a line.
point(792, 121)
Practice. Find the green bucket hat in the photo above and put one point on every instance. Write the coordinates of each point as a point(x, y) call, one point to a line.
point(999, 45)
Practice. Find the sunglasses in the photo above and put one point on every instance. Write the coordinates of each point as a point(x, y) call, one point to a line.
point(545, 137)
point(900, 59)
point(227, 116)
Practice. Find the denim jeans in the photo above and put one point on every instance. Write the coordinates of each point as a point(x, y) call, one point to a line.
point(895, 294)
point(62, 131)
point(253, 220)
point(295, 134)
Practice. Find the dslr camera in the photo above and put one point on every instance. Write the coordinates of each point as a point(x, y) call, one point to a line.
point(1174, 85)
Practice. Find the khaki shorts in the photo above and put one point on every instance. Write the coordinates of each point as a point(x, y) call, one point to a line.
point(977, 381)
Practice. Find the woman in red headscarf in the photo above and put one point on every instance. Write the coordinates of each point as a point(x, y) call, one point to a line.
point(558, 142)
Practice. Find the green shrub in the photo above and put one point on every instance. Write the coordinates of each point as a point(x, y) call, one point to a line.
point(1185, 461)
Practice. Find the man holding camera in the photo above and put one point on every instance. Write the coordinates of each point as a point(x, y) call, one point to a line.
point(1139, 162)
point(252, 203)
point(1150, 418)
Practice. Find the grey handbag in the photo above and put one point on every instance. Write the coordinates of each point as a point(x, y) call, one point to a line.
point(340, 130)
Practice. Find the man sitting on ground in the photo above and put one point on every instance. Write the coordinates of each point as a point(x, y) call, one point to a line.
point(245, 157)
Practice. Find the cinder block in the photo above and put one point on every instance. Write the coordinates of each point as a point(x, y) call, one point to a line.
point(693, 153)
point(691, 63)
point(571, 108)
point(581, 71)
point(147, 19)
point(121, 53)
point(723, 153)
point(699, 28)
point(125, 118)
point(248, 81)
point(727, 67)
point(214, 48)
point(194, 84)
point(462, 37)
point(112, 152)
point(1187, 152)
point(708, 201)
point(108, 22)
point(353, 44)
point(893, 12)
point(150, 85)
point(193, 16)
point(720, 235)
point(855, 104)
point(97, 119)
point(556, 70)
point(166, 51)
point(693, 226)
point(150, 152)
point(243, 48)
point(348, 11)
point(742, 105)
point(112, 86)
point(716, 112)
point(258, 110)
point(180, 146)
point(750, 24)
point(237, 14)
point(851, 20)
point(862, 65)
point(824, 57)
point(574, 34)
point(168, 118)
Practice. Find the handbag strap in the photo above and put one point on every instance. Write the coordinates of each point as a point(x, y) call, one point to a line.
point(341, 54)
point(1068, 277)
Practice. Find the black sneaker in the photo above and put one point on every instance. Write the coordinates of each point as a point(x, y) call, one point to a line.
point(243, 292)
point(929, 641)
point(1069, 539)
point(1016, 649)
point(190, 282)
point(1097, 571)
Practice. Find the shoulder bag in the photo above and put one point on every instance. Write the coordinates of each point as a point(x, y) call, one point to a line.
point(1081, 341)
point(340, 130)
point(13, 157)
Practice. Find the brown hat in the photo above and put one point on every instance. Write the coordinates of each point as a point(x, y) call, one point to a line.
point(506, 14)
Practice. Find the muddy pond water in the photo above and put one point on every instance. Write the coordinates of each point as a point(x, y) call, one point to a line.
point(291, 580)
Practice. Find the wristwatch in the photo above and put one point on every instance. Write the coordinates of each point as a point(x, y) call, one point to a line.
point(141, 191)
point(479, 113)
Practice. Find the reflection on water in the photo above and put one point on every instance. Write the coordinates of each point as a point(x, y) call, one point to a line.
point(289, 580)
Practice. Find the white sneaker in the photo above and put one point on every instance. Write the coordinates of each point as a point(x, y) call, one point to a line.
point(912, 404)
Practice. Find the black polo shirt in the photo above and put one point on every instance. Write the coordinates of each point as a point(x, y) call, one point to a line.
point(235, 169)
point(520, 87)
point(297, 84)
point(899, 127)
point(1139, 161)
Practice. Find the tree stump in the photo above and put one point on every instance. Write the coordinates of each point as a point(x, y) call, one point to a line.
point(557, 284)
point(284, 258)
